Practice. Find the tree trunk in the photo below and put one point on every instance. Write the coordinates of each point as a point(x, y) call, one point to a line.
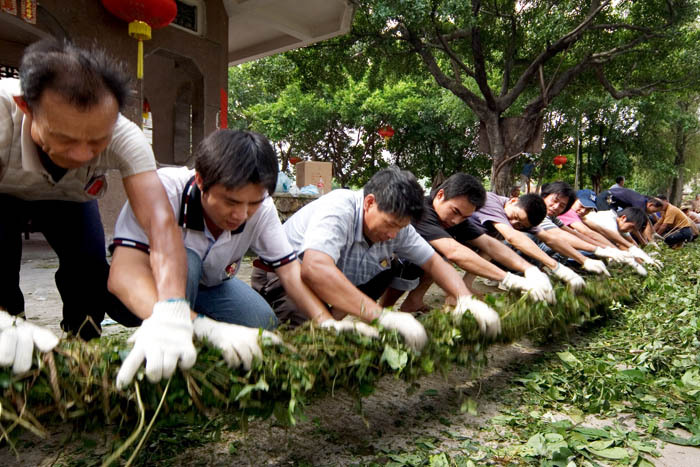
point(577, 179)
point(679, 163)
point(505, 139)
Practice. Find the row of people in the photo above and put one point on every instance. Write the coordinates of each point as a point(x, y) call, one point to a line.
point(341, 261)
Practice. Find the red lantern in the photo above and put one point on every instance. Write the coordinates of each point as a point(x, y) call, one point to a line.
point(142, 15)
point(294, 160)
point(386, 132)
point(559, 161)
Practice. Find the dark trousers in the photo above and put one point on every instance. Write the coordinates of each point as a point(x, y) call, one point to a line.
point(681, 235)
point(268, 284)
point(75, 233)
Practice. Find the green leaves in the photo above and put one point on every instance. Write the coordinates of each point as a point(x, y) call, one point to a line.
point(396, 359)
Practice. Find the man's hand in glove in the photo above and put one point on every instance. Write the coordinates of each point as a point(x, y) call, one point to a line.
point(238, 344)
point(611, 253)
point(405, 324)
point(350, 325)
point(488, 320)
point(596, 266)
point(567, 275)
point(639, 254)
point(18, 339)
point(539, 286)
point(162, 340)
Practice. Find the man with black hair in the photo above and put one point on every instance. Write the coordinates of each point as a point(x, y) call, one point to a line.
point(446, 225)
point(674, 226)
point(619, 182)
point(224, 209)
point(621, 198)
point(512, 219)
point(60, 131)
point(349, 242)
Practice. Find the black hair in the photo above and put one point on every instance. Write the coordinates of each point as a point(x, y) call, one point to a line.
point(657, 203)
point(636, 216)
point(562, 189)
point(236, 158)
point(662, 197)
point(619, 179)
point(461, 184)
point(534, 207)
point(397, 192)
point(81, 76)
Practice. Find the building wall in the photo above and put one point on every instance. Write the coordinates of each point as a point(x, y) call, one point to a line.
point(176, 63)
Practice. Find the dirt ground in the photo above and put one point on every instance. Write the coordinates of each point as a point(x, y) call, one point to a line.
point(334, 432)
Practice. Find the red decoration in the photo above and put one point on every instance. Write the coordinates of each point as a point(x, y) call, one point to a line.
point(9, 6)
point(559, 161)
point(223, 110)
point(28, 11)
point(386, 132)
point(142, 15)
point(294, 160)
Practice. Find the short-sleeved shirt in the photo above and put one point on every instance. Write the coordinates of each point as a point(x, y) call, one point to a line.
point(493, 212)
point(430, 228)
point(675, 218)
point(221, 257)
point(23, 175)
point(333, 224)
point(569, 217)
point(605, 219)
point(625, 198)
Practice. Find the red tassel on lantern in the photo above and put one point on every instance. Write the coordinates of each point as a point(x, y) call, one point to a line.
point(142, 15)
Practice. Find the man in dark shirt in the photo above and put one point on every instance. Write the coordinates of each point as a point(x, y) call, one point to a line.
point(446, 226)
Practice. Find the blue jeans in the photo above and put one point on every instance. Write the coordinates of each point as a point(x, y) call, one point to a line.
point(232, 301)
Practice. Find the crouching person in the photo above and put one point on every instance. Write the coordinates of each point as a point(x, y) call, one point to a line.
point(348, 242)
point(223, 209)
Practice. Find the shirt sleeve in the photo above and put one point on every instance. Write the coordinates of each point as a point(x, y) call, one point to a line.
point(466, 231)
point(330, 230)
point(130, 149)
point(413, 247)
point(271, 243)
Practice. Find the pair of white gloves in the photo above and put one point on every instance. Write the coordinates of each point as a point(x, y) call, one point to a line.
point(414, 333)
point(622, 257)
point(535, 283)
point(567, 275)
point(637, 253)
point(165, 339)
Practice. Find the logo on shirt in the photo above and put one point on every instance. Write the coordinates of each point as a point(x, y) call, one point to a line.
point(96, 186)
point(385, 262)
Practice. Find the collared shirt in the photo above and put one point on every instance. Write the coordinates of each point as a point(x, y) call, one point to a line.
point(333, 225)
point(24, 176)
point(675, 217)
point(221, 257)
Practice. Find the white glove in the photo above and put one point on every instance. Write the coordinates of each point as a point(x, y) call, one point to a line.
point(630, 261)
point(596, 266)
point(610, 253)
point(488, 319)
point(513, 282)
point(18, 339)
point(638, 253)
point(238, 344)
point(567, 275)
point(163, 339)
point(405, 324)
point(539, 286)
point(350, 325)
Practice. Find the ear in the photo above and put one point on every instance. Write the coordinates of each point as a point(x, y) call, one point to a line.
point(22, 104)
point(198, 180)
point(369, 201)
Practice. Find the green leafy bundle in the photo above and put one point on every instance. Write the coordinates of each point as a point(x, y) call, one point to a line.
point(76, 381)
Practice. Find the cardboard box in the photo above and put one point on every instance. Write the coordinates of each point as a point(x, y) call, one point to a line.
point(313, 172)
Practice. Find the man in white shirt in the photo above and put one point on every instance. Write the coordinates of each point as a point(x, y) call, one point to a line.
point(60, 131)
point(223, 209)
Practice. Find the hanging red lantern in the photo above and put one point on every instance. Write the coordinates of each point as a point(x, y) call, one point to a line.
point(294, 160)
point(142, 15)
point(559, 161)
point(386, 132)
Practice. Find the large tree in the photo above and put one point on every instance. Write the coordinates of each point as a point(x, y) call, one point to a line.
point(508, 59)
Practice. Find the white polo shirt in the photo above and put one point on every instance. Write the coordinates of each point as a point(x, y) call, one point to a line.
point(221, 257)
point(333, 225)
point(23, 175)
